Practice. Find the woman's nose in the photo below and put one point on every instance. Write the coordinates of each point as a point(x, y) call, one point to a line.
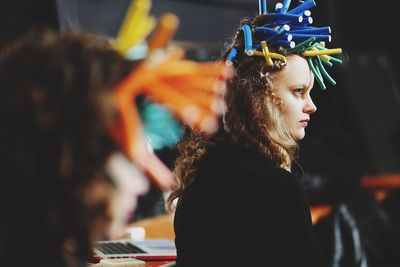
point(309, 107)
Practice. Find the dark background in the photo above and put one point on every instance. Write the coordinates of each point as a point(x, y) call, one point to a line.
point(354, 133)
point(356, 129)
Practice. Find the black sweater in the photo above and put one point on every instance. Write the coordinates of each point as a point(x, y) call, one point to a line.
point(244, 211)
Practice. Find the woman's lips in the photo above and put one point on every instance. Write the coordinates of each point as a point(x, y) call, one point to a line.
point(129, 214)
point(304, 123)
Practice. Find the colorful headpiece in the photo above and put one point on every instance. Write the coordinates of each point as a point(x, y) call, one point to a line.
point(290, 31)
point(168, 83)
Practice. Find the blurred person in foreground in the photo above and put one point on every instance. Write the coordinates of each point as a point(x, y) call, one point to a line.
point(69, 177)
point(61, 168)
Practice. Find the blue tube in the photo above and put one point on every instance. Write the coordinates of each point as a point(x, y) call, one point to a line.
point(285, 6)
point(248, 43)
point(312, 30)
point(307, 13)
point(286, 17)
point(272, 40)
point(271, 31)
point(303, 7)
point(265, 30)
point(287, 44)
point(232, 54)
point(308, 20)
point(262, 7)
point(278, 7)
point(272, 36)
point(318, 37)
point(299, 27)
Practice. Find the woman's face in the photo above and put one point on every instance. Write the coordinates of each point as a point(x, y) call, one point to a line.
point(293, 86)
point(130, 184)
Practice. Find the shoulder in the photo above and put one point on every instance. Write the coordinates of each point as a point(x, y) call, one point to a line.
point(225, 153)
point(232, 162)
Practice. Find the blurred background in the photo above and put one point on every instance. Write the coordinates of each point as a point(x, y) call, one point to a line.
point(355, 133)
point(353, 137)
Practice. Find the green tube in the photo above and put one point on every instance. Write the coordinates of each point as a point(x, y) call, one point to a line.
point(335, 60)
point(320, 47)
point(324, 72)
point(327, 63)
point(315, 64)
point(301, 47)
point(316, 74)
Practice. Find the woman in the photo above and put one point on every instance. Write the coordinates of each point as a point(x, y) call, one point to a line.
point(240, 197)
point(69, 125)
point(59, 164)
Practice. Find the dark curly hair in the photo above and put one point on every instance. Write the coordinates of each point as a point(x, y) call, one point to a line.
point(55, 113)
point(253, 117)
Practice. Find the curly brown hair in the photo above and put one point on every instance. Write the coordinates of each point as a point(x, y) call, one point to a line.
point(55, 114)
point(253, 117)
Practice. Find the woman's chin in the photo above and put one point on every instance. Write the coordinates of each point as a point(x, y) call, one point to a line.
point(117, 229)
point(299, 135)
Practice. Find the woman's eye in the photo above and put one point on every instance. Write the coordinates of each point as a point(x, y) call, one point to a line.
point(298, 91)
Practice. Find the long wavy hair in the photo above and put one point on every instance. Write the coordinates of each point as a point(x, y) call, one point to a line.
point(254, 116)
point(55, 112)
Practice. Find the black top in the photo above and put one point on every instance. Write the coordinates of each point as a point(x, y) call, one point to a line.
point(244, 211)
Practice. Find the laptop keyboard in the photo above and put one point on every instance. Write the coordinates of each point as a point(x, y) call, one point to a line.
point(118, 248)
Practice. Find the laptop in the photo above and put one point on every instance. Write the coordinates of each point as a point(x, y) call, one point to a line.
point(147, 250)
